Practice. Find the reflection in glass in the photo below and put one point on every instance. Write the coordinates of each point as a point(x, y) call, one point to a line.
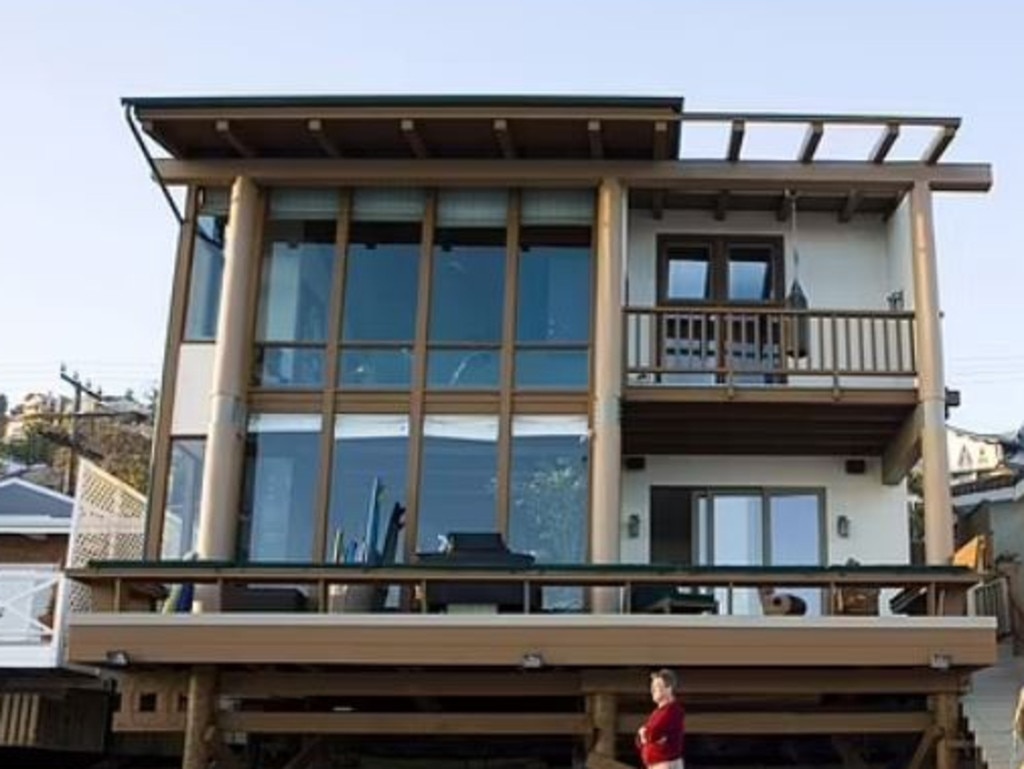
point(289, 366)
point(737, 542)
point(282, 461)
point(381, 283)
point(458, 487)
point(795, 537)
point(689, 274)
point(376, 368)
point(370, 455)
point(468, 285)
point(464, 367)
point(184, 489)
point(205, 277)
point(750, 276)
point(552, 369)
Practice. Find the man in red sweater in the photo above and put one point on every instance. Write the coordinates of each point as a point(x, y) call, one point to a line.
point(660, 740)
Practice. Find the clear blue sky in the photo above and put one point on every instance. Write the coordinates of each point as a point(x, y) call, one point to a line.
point(87, 242)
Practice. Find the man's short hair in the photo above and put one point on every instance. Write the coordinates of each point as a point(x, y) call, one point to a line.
point(667, 677)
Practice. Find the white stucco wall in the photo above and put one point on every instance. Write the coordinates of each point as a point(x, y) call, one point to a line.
point(901, 271)
point(191, 414)
point(879, 532)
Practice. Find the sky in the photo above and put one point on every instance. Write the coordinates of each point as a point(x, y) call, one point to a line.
point(87, 242)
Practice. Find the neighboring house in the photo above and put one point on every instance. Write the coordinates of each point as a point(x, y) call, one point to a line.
point(43, 707)
point(32, 407)
point(684, 392)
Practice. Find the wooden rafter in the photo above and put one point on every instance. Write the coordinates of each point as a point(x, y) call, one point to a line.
point(225, 131)
point(661, 140)
point(811, 141)
point(596, 141)
point(504, 135)
point(722, 206)
point(924, 746)
point(316, 127)
point(850, 205)
point(149, 127)
point(736, 134)
point(933, 154)
point(885, 142)
point(658, 204)
point(413, 138)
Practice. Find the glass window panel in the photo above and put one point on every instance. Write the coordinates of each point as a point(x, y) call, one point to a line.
point(689, 275)
point(184, 489)
point(291, 367)
point(468, 286)
point(750, 276)
point(472, 208)
point(464, 368)
point(555, 286)
point(552, 369)
point(795, 538)
point(544, 206)
point(458, 487)
point(548, 500)
point(368, 479)
point(388, 204)
point(737, 541)
point(381, 283)
point(304, 204)
point(377, 368)
point(282, 461)
point(205, 278)
point(296, 281)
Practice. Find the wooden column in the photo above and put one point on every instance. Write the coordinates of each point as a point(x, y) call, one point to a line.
point(946, 713)
point(200, 718)
point(938, 507)
point(225, 440)
point(603, 707)
point(607, 435)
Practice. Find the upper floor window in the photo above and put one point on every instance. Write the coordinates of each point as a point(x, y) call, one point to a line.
point(720, 269)
point(295, 288)
point(207, 266)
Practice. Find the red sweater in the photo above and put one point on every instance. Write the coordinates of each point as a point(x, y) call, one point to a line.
point(664, 734)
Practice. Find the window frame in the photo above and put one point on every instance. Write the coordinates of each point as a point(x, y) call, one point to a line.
point(718, 247)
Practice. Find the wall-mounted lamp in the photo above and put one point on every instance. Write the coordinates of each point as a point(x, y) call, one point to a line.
point(118, 658)
point(843, 526)
point(532, 661)
point(633, 526)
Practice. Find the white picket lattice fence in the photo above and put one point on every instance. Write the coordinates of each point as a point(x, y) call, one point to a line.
point(28, 599)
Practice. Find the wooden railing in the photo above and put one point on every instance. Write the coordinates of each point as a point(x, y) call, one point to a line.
point(727, 346)
point(930, 591)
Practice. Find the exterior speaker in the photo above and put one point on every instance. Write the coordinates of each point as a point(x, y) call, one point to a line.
point(635, 463)
point(856, 467)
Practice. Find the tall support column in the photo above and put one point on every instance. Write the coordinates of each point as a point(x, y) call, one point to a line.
point(945, 711)
point(225, 438)
point(200, 722)
point(607, 434)
point(604, 713)
point(938, 507)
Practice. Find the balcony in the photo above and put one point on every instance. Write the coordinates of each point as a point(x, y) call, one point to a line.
point(399, 615)
point(29, 607)
point(724, 380)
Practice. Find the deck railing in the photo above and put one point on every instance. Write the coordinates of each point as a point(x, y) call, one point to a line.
point(147, 587)
point(708, 346)
point(29, 607)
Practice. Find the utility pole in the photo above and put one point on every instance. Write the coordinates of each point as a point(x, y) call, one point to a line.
point(79, 387)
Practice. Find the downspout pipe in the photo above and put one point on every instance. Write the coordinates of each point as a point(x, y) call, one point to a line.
point(152, 164)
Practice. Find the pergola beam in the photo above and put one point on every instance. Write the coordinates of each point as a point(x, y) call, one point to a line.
point(812, 139)
point(505, 141)
point(885, 142)
point(413, 138)
point(935, 150)
point(661, 151)
point(785, 207)
point(316, 127)
point(736, 134)
point(224, 130)
point(596, 141)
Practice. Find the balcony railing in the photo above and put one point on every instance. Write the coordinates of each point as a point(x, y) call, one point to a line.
point(158, 587)
point(29, 606)
point(702, 346)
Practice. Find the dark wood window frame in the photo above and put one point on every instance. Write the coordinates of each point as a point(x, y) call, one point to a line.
point(718, 265)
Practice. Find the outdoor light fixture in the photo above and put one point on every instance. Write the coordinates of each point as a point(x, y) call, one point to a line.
point(633, 526)
point(940, 661)
point(843, 526)
point(118, 658)
point(532, 661)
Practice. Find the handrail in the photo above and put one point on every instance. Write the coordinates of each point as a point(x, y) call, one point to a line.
point(725, 309)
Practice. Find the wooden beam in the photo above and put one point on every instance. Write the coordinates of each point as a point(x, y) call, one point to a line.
point(811, 141)
point(413, 138)
point(903, 451)
point(316, 127)
point(850, 205)
point(885, 142)
point(596, 142)
point(505, 141)
point(658, 204)
point(924, 746)
point(736, 140)
point(775, 176)
point(150, 127)
point(938, 146)
point(394, 724)
point(223, 128)
point(721, 206)
point(661, 149)
point(779, 723)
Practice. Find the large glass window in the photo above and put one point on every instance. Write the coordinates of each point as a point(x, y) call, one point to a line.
point(295, 288)
point(381, 289)
point(184, 489)
point(467, 290)
point(368, 484)
point(206, 274)
point(554, 307)
point(458, 486)
point(282, 461)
